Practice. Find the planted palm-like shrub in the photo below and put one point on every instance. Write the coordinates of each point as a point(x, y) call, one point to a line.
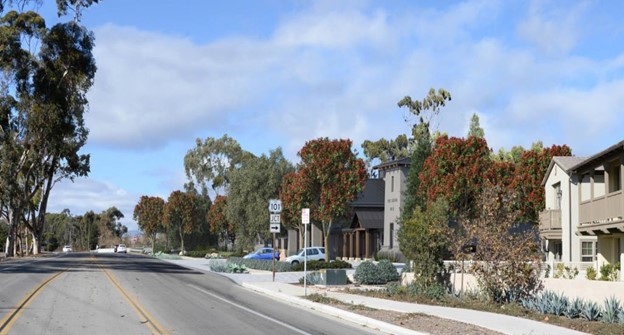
point(590, 273)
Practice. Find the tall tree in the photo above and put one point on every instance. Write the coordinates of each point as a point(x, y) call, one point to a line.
point(382, 150)
point(333, 176)
point(294, 198)
point(475, 128)
point(425, 110)
point(456, 171)
point(252, 186)
point(529, 175)
point(181, 214)
point(42, 103)
point(218, 221)
point(211, 162)
point(149, 215)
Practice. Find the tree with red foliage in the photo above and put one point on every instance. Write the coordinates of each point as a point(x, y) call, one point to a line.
point(181, 214)
point(456, 171)
point(149, 215)
point(218, 222)
point(528, 180)
point(332, 176)
point(293, 195)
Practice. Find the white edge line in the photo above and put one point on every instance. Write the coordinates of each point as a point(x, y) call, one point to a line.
point(250, 310)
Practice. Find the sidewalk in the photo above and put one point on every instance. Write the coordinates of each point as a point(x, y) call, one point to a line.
point(282, 289)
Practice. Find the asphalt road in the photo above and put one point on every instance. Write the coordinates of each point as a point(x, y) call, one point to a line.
point(81, 293)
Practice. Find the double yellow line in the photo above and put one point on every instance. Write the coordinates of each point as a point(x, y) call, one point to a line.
point(9, 320)
point(146, 318)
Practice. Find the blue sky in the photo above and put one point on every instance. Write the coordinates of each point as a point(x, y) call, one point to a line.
point(275, 73)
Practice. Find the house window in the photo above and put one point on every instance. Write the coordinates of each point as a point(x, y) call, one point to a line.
point(558, 195)
point(588, 251)
point(615, 184)
point(392, 184)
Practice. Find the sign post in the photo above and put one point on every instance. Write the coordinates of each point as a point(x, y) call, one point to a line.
point(275, 207)
point(305, 220)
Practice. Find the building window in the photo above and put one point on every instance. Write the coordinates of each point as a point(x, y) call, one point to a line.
point(392, 184)
point(558, 195)
point(588, 251)
point(615, 184)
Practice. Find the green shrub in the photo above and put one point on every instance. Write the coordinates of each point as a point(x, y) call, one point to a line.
point(312, 278)
point(387, 271)
point(318, 265)
point(368, 273)
point(609, 272)
point(590, 273)
point(261, 264)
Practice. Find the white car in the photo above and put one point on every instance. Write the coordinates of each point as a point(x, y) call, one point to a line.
point(122, 248)
point(313, 254)
point(67, 248)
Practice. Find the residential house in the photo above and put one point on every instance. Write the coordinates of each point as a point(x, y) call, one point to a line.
point(584, 217)
point(559, 221)
point(601, 203)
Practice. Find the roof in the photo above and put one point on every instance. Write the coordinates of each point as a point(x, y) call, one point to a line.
point(372, 195)
point(370, 218)
point(599, 158)
point(394, 164)
point(565, 162)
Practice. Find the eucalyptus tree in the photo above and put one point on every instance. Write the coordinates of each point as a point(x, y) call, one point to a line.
point(211, 162)
point(425, 110)
point(46, 73)
point(252, 186)
point(383, 150)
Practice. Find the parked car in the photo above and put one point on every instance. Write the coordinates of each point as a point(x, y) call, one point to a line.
point(67, 248)
point(121, 249)
point(313, 254)
point(262, 253)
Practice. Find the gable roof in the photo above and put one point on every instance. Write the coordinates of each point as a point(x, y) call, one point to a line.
point(372, 195)
point(368, 218)
point(565, 162)
point(599, 158)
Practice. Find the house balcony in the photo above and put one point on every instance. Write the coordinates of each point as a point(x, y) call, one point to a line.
point(602, 215)
point(550, 224)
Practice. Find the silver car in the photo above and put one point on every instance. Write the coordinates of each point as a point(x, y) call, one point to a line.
point(313, 254)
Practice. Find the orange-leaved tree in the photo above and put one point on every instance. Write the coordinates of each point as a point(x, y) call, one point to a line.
point(218, 222)
point(332, 176)
point(149, 215)
point(181, 214)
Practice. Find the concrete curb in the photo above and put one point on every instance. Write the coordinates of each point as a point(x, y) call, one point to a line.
point(335, 312)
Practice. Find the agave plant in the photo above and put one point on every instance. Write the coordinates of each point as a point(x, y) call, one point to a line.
point(559, 304)
point(574, 309)
point(612, 310)
point(591, 311)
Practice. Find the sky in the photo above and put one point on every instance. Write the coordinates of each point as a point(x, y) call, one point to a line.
point(277, 73)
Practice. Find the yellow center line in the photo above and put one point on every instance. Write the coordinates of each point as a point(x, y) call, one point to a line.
point(147, 318)
point(9, 320)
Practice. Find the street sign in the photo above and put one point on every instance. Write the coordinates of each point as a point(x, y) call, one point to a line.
point(275, 205)
point(274, 228)
point(305, 215)
point(274, 218)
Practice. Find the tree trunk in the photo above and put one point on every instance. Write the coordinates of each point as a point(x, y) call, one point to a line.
point(154, 243)
point(36, 244)
point(181, 242)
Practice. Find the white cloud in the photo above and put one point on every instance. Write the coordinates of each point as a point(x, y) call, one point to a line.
point(86, 194)
point(553, 30)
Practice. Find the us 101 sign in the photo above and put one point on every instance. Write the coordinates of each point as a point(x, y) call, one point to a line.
point(275, 206)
